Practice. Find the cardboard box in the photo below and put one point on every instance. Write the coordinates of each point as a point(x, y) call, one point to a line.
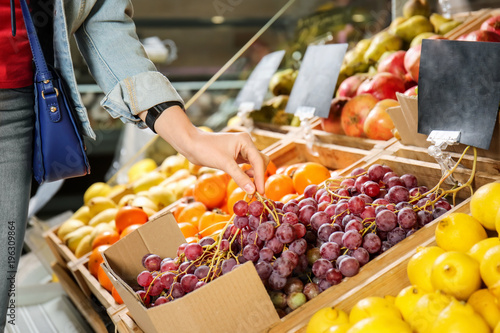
point(235, 302)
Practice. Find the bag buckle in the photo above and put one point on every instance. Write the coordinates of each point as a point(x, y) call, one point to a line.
point(57, 93)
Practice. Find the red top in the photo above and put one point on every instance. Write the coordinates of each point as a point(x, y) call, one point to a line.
point(16, 69)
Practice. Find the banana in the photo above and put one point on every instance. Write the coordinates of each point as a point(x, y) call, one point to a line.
point(73, 239)
point(162, 196)
point(126, 200)
point(145, 182)
point(104, 217)
point(99, 204)
point(144, 202)
point(68, 226)
point(173, 163)
point(176, 176)
point(84, 247)
point(82, 214)
point(98, 189)
point(101, 228)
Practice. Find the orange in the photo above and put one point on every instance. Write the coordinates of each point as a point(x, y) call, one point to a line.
point(116, 296)
point(106, 237)
point(210, 222)
point(309, 173)
point(104, 279)
point(290, 169)
point(277, 186)
point(189, 191)
point(128, 215)
point(231, 186)
point(270, 170)
point(187, 229)
point(129, 229)
point(95, 259)
point(192, 213)
point(238, 194)
point(288, 197)
point(210, 189)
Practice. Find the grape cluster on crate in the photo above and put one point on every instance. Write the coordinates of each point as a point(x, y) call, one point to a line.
point(304, 246)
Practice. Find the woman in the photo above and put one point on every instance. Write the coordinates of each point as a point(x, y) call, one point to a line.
point(106, 37)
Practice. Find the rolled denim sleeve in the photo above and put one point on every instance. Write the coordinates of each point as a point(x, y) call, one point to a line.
point(108, 41)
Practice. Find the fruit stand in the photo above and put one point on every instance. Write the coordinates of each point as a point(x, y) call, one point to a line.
point(180, 247)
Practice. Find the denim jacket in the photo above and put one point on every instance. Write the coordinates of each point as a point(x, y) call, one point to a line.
point(106, 38)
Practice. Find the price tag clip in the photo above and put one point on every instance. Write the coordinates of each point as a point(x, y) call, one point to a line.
point(441, 140)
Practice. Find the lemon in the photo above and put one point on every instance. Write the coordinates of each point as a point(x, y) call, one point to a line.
point(427, 310)
point(325, 318)
point(420, 266)
point(459, 317)
point(497, 222)
point(407, 299)
point(341, 328)
point(459, 232)
point(98, 189)
point(456, 274)
point(140, 168)
point(478, 250)
point(372, 307)
point(497, 329)
point(486, 305)
point(485, 203)
point(380, 324)
point(490, 267)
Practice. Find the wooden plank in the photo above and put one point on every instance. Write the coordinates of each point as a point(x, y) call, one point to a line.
point(124, 323)
point(262, 138)
point(62, 253)
point(384, 275)
point(82, 303)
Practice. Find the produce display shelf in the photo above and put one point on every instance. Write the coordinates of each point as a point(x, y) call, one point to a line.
point(385, 275)
point(262, 138)
point(61, 252)
point(124, 323)
point(473, 22)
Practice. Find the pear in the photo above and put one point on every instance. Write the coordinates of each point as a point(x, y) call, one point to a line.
point(413, 27)
point(382, 42)
point(68, 226)
point(103, 217)
point(448, 26)
point(84, 247)
point(82, 214)
point(281, 82)
point(99, 204)
point(416, 7)
point(173, 163)
point(145, 182)
point(73, 239)
point(418, 39)
point(437, 19)
point(397, 21)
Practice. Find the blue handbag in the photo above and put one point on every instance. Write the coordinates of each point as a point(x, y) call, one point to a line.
point(59, 150)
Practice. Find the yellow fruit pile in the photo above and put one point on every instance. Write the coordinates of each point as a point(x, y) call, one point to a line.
point(454, 286)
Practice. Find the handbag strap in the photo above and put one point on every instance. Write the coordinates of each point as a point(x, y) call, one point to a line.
point(13, 16)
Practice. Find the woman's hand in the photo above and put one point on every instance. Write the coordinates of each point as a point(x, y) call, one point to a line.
point(223, 151)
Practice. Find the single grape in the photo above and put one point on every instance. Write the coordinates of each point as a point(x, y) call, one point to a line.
point(323, 285)
point(240, 208)
point(251, 252)
point(320, 267)
point(443, 204)
point(310, 190)
point(343, 192)
point(325, 231)
point(341, 210)
point(201, 271)
point(256, 208)
point(296, 299)
point(279, 299)
point(161, 300)
point(144, 278)
point(310, 237)
point(376, 172)
point(305, 214)
point(347, 182)
point(319, 193)
point(370, 188)
point(266, 254)
point(352, 239)
point(311, 290)
point(291, 207)
point(193, 251)
point(336, 237)
point(308, 202)
point(394, 181)
point(293, 284)
point(425, 202)
point(265, 231)
point(283, 267)
point(264, 269)
point(144, 259)
point(407, 218)
point(313, 255)
point(368, 213)
point(324, 200)
point(290, 218)
point(276, 282)
point(356, 205)
point(240, 221)
point(438, 211)
point(275, 218)
point(354, 225)
point(199, 284)
point(409, 180)
point(176, 290)
point(275, 245)
point(227, 265)
point(206, 241)
point(334, 276)
point(188, 282)
point(146, 299)
point(253, 222)
point(360, 181)
point(424, 217)
point(387, 176)
point(349, 266)
point(386, 220)
point(329, 251)
point(302, 265)
point(330, 210)
point(357, 171)
point(386, 245)
point(169, 265)
point(300, 230)
point(285, 233)
point(152, 262)
point(371, 243)
point(253, 238)
point(398, 193)
point(167, 279)
point(156, 287)
point(396, 235)
point(361, 255)
point(353, 191)
point(224, 245)
point(298, 246)
point(291, 256)
point(187, 267)
point(410, 232)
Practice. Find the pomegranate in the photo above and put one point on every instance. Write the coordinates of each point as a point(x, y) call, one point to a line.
point(378, 124)
point(355, 112)
point(480, 36)
point(492, 24)
point(349, 86)
point(382, 86)
point(393, 63)
point(332, 123)
point(412, 61)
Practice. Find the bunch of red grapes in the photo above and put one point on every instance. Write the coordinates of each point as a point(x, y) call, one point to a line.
point(304, 246)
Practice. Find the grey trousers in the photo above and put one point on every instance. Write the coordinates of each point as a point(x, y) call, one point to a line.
point(16, 132)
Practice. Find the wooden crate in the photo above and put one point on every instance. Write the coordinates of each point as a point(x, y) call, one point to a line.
point(124, 323)
point(262, 138)
point(61, 252)
point(473, 22)
point(384, 275)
